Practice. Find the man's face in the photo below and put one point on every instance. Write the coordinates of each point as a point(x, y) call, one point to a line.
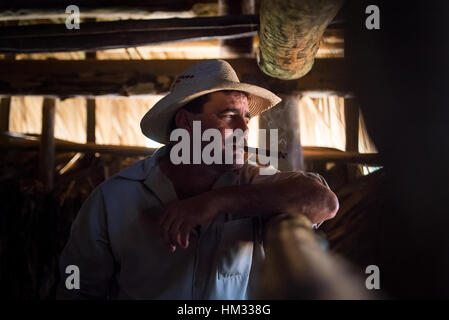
point(225, 111)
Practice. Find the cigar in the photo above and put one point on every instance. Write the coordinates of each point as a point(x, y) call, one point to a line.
point(280, 154)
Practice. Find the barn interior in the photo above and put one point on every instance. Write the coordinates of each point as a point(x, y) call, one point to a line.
point(366, 109)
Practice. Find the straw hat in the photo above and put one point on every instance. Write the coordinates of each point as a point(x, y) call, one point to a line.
point(203, 78)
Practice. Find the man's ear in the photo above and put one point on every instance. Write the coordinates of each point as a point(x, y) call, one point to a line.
point(184, 119)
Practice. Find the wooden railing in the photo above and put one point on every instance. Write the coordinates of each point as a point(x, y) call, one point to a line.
point(297, 267)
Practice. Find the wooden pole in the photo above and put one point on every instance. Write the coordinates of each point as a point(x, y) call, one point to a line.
point(285, 118)
point(130, 33)
point(316, 154)
point(118, 5)
point(47, 144)
point(290, 31)
point(24, 10)
point(90, 102)
point(297, 267)
point(90, 120)
point(352, 133)
point(295, 157)
point(108, 13)
point(351, 109)
point(5, 107)
point(5, 104)
point(352, 125)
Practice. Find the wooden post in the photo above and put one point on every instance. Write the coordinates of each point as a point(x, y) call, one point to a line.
point(90, 103)
point(352, 125)
point(295, 155)
point(351, 107)
point(285, 118)
point(47, 149)
point(5, 104)
point(90, 55)
point(289, 35)
point(352, 132)
point(90, 123)
point(5, 107)
point(90, 120)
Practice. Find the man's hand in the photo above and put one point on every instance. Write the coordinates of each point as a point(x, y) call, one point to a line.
point(179, 218)
point(301, 194)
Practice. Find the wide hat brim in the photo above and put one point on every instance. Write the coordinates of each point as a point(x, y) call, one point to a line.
point(157, 122)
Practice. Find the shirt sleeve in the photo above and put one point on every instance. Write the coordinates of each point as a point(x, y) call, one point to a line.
point(250, 174)
point(88, 251)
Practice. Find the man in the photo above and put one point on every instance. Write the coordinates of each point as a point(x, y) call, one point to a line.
point(157, 230)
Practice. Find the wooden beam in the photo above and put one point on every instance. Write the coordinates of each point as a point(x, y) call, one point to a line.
point(315, 154)
point(5, 107)
point(47, 145)
point(133, 77)
point(122, 34)
point(26, 10)
point(89, 4)
point(16, 11)
point(8, 142)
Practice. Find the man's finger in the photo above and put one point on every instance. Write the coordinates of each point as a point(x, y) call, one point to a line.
point(185, 234)
point(179, 240)
point(174, 230)
point(184, 237)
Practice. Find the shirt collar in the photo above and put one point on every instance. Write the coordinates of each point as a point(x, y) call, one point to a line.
point(149, 172)
point(160, 185)
point(141, 169)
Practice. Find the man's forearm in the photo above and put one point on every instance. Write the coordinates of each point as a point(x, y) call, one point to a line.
point(300, 194)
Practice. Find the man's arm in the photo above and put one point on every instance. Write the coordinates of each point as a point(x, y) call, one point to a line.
point(299, 194)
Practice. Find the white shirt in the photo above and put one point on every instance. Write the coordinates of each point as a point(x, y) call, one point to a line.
point(116, 245)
